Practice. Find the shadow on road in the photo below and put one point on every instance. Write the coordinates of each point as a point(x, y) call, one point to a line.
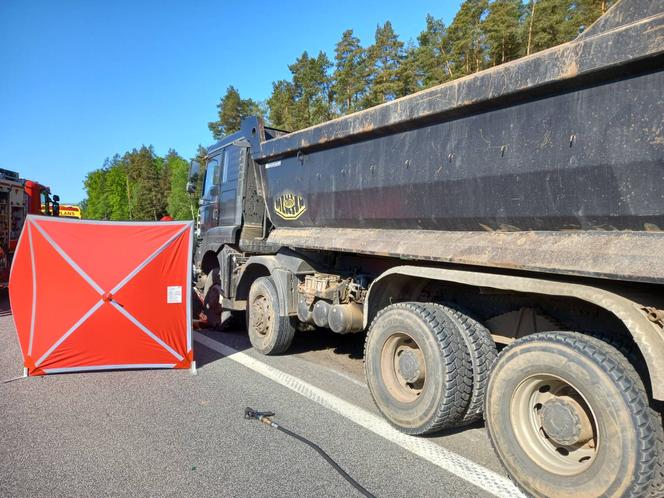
point(5, 309)
point(350, 345)
point(236, 339)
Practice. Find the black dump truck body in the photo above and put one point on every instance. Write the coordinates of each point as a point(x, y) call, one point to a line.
point(520, 206)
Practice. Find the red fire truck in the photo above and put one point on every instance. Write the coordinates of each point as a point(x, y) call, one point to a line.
point(18, 198)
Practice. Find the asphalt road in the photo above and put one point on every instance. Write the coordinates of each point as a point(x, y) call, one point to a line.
point(171, 433)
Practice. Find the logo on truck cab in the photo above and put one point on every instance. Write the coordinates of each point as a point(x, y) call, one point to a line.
point(289, 206)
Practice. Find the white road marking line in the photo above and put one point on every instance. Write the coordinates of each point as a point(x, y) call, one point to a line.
point(363, 385)
point(447, 460)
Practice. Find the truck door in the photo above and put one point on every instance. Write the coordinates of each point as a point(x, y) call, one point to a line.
point(229, 181)
point(209, 203)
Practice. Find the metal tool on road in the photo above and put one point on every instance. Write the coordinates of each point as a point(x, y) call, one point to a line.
point(266, 418)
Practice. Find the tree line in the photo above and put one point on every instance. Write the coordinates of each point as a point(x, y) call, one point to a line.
point(483, 34)
point(141, 185)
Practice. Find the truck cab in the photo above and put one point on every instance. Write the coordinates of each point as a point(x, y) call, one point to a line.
point(231, 210)
point(220, 209)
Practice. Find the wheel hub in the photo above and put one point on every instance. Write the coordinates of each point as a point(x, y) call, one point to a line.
point(409, 366)
point(261, 316)
point(554, 424)
point(403, 366)
point(561, 421)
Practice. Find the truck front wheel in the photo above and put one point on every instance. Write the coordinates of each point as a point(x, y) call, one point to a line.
point(269, 332)
point(568, 416)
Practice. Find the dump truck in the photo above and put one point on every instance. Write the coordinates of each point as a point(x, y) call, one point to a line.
point(499, 238)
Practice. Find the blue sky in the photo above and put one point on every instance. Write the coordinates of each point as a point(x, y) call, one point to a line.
point(83, 80)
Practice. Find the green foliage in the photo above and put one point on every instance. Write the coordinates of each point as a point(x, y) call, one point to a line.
point(179, 203)
point(138, 186)
point(407, 72)
point(550, 23)
point(349, 80)
point(502, 29)
point(307, 99)
point(231, 109)
point(384, 60)
point(311, 85)
point(484, 33)
point(282, 106)
point(147, 199)
point(96, 205)
point(432, 62)
point(466, 38)
point(586, 12)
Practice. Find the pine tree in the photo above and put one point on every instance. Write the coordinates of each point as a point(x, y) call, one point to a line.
point(231, 110)
point(432, 58)
point(549, 23)
point(407, 72)
point(466, 38)
point(350, 73)
point(586, 12)
point(384, 58)
point(501, 28)
point(311, 86)
point(281, 106)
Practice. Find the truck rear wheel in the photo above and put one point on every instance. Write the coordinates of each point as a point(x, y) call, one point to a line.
point(417, 367)
point(269, 332)
point(483, 354)
point(568, 416)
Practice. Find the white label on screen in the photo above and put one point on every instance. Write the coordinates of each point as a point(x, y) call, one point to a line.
point(273, 164)
point(174, 294)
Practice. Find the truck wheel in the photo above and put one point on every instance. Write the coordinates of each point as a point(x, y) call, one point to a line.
point(483, 354)
point(568, 416)
point(211, 299)
point(417, 367)
point(657, 484)
point(269, 332)
point(629, 351)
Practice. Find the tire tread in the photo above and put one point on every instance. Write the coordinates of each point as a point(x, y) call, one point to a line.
point(483, 354)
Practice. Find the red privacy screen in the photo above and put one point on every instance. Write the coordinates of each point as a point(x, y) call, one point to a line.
point(95, 295)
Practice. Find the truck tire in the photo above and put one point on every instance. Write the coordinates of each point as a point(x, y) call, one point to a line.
point(211, 299)
point(656, 489)
point(269, 332)
point(483, 354)
point(418, 368)
point(633, 355)
point(568, 416)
